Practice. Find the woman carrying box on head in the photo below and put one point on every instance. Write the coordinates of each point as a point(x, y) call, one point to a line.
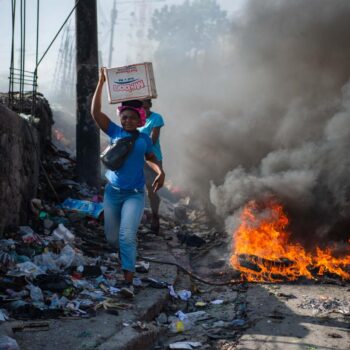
point(124, 194)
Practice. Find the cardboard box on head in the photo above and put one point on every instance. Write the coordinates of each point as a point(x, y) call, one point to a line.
point(134, 82)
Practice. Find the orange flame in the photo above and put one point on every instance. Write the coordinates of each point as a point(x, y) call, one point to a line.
point(263, 252)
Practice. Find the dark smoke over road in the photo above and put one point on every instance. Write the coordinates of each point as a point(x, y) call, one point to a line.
point(276, 120)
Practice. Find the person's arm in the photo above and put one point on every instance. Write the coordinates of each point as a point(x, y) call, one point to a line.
point(159, 180)
point(155, 134)
point(100, 118)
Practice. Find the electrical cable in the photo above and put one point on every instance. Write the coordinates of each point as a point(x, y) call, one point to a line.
point(59, 31)
point(191, 274)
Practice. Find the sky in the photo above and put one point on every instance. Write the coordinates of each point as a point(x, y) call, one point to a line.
point(52, 15)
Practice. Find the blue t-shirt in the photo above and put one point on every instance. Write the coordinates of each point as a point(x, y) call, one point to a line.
point(155, 120)
point(130, 176)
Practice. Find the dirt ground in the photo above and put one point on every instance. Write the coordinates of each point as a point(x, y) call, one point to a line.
point(279, 321)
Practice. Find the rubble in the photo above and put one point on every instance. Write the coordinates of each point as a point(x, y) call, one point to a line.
point(326, 305)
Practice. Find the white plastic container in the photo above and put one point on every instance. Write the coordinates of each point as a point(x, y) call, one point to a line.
point(135, 82)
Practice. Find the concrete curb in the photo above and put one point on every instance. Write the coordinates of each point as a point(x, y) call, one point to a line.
point(131, 339)
point(150, 302)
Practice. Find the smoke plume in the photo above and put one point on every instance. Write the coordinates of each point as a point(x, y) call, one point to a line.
point(269, 115)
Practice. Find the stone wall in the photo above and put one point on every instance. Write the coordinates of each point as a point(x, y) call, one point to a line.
point(20, 144)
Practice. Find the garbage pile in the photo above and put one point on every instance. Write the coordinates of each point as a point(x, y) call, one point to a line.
point(327, 305)
point(199, 319)
point(60, 266)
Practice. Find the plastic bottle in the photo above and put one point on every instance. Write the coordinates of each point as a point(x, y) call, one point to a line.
point(179, 326)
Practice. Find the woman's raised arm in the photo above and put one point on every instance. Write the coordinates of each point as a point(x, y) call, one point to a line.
point(100, 118)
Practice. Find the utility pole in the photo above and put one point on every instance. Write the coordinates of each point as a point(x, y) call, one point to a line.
point(87, 133)
point(114, 15)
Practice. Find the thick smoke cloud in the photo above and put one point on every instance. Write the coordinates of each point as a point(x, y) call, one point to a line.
point(276, 121)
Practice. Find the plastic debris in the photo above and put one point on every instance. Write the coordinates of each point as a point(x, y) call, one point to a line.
point(3, 315)
point(142, 267)
point(185, 345)
point(36, 206)
point(325, 304)
point(172, 292)
point(84, 208)
point(62, 233)
point(179, 326)
point(181, 294)
point(154, 283)
point(137, 282)
point(27, 269)
point(28, 235)
point(66, 257)
point(200, 304)
point(184, 294)
point(192, 316)
point(238, 322)
point(217, 302)
point(35, 293)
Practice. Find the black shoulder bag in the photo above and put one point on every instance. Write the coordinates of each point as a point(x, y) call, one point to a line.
point(114, 156)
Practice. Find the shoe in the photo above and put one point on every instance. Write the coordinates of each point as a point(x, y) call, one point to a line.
point(127, 291)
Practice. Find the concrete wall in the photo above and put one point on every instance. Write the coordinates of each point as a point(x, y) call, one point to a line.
point(19, 167)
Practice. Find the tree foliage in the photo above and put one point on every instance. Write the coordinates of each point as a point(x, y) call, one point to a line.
point(189, 28)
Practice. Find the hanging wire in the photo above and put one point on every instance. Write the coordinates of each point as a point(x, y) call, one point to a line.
point(59, 31)
point(35, 75)
point(13, 11)
point(21, 57)
point(18, 76)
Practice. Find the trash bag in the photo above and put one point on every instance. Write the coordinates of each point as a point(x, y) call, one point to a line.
point(66, 257)
point(35, 293)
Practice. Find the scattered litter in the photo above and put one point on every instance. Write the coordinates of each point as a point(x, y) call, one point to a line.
point(185, 345)
point(110, 303)
point(179, 326)
point(35, 293)
point(326, 305)
point(238, 322)
point(200, 304)
point(184, 294)
point(286, 296)
point(83, 207)
point(217, 302)
point(172, 292)
point(192, 316)
point(141, 326)
point(36, 206)
point(137, 282)
point(27, 269)
point(142, 267)
point(154, 283)
point(334, 335)
point(3, 315)
point(62, 233)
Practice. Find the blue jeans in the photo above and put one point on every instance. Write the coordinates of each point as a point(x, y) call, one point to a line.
point(123, 210)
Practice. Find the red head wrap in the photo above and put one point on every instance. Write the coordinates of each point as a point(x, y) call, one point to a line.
point(140, 111)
